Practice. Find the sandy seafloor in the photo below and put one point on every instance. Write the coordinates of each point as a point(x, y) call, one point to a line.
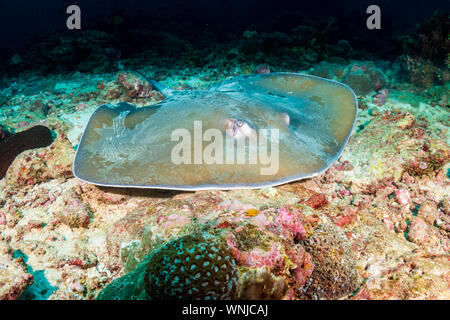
point(374, 226)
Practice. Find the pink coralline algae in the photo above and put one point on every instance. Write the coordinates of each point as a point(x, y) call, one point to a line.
point(316, 201)
point(421, 233)
point(232, 244)
point(381, 97)
point(134, 85)
point(344, 192)
point(403, 197)
point(2, 219)
point(345, 218)
point(259, 258)
point(173, 220)
point(258, 253)
point(303, 261)
point(261, 221)
point(290, 221)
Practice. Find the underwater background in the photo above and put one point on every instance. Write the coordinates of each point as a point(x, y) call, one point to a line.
point(376, 225)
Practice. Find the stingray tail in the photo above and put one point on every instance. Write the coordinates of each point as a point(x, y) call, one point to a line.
point(167, 92)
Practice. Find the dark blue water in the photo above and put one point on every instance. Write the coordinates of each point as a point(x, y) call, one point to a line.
point(24, 22)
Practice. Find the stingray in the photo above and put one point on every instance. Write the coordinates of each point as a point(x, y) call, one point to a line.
point(247, 132)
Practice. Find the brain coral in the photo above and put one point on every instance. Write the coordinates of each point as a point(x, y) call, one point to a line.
point(192, 267)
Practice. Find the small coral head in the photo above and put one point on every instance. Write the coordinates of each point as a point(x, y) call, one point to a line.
point(192, 267)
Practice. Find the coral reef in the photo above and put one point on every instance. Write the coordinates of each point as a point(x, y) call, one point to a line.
point(38, 165)
point(381, 97)
point(431, 38)
point(364, 78)
point(14, 278)
point(383, 209)
point(35, 137)
point(376, 225)
point(421, 72)
point(425, 53)
point(134, 85)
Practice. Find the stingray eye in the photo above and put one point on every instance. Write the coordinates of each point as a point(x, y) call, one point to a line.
point(240, 123)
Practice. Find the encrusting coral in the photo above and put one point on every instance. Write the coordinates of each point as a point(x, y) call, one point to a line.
point(335, 273)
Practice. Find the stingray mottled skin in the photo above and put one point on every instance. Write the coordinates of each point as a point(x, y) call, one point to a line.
point(125, 146)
